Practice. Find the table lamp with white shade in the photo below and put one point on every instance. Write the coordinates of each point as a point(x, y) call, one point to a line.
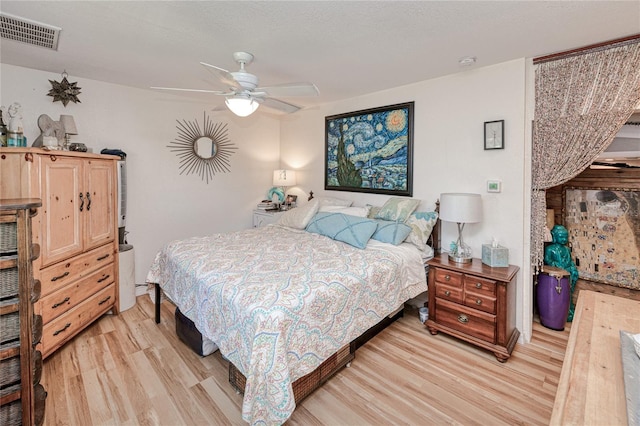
point(461, 208)
point(69, 125)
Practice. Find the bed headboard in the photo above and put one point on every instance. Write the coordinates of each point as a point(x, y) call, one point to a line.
point(434, 238)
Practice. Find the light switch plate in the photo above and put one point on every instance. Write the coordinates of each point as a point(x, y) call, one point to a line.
point(494, 186)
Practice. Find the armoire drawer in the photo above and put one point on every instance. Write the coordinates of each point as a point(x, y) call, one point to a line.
point(61, 329)
point(66, 298)
point(59, 275)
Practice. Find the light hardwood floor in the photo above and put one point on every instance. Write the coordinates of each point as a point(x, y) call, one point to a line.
point(126, 369)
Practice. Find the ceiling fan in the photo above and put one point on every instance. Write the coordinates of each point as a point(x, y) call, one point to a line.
point(244, 96)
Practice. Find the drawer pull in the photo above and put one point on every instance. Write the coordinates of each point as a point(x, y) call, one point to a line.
point(447, 278)
point(463, 318)
point(447, 293)
point(102, 257)
point(105, 300)
point(104, 278)
point(55, 333)
point(55, 305)
point(478, 302)
point(60, 276)
point(478, 285)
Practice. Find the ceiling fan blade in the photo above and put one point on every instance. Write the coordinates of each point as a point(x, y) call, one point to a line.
point(289, 89)
point(223, 75)
point(278, 104)
point(178, 89)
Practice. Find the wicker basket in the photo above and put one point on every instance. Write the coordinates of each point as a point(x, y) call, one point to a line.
point(8, 283)
point(9, 327)
point(306, 384)
point(9, 371)
point(11, 414)
point(8, 238)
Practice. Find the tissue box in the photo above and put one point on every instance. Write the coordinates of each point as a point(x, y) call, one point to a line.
point(495, 256)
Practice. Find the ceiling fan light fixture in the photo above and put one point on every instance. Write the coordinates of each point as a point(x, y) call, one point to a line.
point(242, 106)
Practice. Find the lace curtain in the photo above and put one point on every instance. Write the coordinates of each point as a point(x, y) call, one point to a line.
point(581, 103)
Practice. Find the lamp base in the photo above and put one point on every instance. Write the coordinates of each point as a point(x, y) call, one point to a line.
point(459, 259)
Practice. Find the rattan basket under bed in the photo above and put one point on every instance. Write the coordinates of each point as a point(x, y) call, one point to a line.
point(306, 384)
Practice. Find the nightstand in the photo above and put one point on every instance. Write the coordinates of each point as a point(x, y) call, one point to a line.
point(475, 303)
point(263, 218)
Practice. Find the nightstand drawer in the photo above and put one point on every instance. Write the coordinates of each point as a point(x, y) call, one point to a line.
point(449, 293)
point(470, 321)
point(449, 278)
point(479, 285)
point(480, 301)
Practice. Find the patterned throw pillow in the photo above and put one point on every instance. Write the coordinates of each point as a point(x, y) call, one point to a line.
point(397, 209)
point(299, 217)
point(373, 211)
point(391, 232)
point(421, 224)
point(352, 230)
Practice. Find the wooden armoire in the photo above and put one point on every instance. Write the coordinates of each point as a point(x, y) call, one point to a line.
point(76, 231)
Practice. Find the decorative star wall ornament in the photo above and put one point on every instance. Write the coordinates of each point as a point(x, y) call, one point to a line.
point(64, 91)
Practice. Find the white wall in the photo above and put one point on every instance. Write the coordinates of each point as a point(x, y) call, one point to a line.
point(449, 155)
point(162, 204)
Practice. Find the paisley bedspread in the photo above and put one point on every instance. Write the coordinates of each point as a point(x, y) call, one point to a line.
point(279, 301)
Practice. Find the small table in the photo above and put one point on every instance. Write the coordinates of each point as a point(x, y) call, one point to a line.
point(265, 217)
point(591, 388)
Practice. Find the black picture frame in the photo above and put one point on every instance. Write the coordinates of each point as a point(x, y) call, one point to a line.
point(370, 150)
point(494, 134)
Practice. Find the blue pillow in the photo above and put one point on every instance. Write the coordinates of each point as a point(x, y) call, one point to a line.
point(352, 230)
point(391, 232)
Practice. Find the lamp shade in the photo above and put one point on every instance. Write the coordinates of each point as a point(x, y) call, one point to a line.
point(69, 124)
point(461, 207)
point(242, 106)
point(284, 178)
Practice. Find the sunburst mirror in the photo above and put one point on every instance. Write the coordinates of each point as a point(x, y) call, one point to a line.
point(204, 151)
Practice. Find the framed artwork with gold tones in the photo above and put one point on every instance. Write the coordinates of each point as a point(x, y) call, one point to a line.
point(604, 234)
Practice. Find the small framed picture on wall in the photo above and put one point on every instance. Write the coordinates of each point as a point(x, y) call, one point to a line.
point(494, 134)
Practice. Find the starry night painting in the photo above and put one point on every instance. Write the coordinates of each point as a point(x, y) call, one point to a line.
point(370, 150)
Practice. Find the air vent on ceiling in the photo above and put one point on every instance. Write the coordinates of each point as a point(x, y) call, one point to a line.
point(28, 31)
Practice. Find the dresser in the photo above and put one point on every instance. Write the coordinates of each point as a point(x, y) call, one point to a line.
point(263, 218)
point(475, 303)
point(22, 397)
point(76, 231)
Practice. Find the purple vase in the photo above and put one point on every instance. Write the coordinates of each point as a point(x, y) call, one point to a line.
point(554, 297)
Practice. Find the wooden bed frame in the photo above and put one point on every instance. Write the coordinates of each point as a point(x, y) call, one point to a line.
point(305, 385)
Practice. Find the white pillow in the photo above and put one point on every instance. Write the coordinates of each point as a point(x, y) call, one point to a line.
point(351, 211)
point(330, 201)
point(299, 217)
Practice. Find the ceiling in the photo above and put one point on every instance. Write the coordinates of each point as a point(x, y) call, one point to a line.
point(347, 48)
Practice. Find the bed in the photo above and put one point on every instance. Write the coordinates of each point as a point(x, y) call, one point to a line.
point(280, 302)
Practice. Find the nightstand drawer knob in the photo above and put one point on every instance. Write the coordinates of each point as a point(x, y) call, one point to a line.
point(478, 302)
point(447, 293)
point(478, 285)
point(463, 318)
point(447, 277)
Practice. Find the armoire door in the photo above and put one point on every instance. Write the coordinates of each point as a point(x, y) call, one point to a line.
point(99, 192)
point(62, 205)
